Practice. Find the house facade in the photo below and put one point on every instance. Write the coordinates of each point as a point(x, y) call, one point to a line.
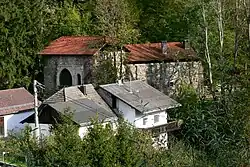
point(167, 66)
point(140, 104)
point(82, 101)
point(15, 105)
point(69, 61)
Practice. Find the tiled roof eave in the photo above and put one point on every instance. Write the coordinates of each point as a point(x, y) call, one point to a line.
point(160, 61)
point(16, 106)
point(66, 54)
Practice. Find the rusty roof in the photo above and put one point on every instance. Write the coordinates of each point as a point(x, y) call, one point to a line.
point(15, 100)
point(151, 52)
point(74, 45)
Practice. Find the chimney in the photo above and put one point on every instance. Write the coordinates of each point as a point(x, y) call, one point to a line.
point(119, 82)
point(83, 89)
point(186, 44)
point(164, 47)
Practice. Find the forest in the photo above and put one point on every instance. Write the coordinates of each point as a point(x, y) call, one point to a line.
point(216, 130)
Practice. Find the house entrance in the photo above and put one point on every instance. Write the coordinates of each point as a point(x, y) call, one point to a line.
point(65, 78)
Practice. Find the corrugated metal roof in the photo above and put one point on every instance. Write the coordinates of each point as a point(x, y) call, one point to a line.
point(83, 110)
point(141, 96)
point(74, 45)
point(74, 93)
point(15, 100)
point(83, 106)
point(151, 52)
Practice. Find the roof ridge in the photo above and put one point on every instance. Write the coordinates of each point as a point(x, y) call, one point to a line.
point(13, 89)
point(76, 36)
point(153, 43)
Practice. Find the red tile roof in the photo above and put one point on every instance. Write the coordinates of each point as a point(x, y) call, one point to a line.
point(74, 45)
point(151, 52)
point(15, 100)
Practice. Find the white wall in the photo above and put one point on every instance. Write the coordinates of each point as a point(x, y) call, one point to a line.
point(127, 111)
point(12, 122)
point(6, 118)
point(83, 130)
point(44, 129)
point(150, 120)
point(130, 115)
point(136, 119)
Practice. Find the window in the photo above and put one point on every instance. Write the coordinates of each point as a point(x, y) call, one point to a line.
point(156, 118)
point(145, 120)
point(136, 72)
point(79, 80)
point(170, 84)
point(1, 126)
point(113, 102)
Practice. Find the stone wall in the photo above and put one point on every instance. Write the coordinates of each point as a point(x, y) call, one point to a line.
point(81, 65)
point(165, 76)
point(168, 76)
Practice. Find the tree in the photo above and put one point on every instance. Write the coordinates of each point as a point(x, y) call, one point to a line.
point(104, 72)
point(21, 36)
point(115, 19)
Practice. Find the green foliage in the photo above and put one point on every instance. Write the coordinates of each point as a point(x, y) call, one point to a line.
point(126, 146)
point(115, 19)
point(21, 36)
point(26, 26)
point(217, 126)
point(105, 72)
point(64, 147)
point(166, 20)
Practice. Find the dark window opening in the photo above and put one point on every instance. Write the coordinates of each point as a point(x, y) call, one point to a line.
point(170, 84)
point(65, 78)
point(136, 72)
point(156, 118)
point(113, 102)
point(145, 120)
point(79, 79)
point(1, 126)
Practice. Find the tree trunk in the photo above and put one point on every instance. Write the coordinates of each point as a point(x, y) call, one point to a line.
point(221, 38)
point(248, 27)
point(236, 32)
point(207, 53)
point(220, 27)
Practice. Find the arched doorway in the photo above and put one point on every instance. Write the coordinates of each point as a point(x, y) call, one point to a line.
point(65, 78)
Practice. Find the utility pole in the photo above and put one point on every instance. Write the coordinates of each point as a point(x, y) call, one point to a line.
point(37, 128)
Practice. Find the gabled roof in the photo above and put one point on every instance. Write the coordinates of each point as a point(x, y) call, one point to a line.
point(74, 45)
point(152, 52)
point(141, 96)
point(15, 100)
point(83, 110)
point(74, 93)
point(83, 105)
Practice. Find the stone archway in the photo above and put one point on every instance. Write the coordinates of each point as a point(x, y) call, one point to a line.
point(65, 78)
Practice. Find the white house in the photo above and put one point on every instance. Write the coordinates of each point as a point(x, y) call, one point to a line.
point(15, 105)
point(140, 104)
point(84, 103)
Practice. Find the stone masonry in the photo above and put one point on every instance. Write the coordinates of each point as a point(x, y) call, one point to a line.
point(76, 65)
